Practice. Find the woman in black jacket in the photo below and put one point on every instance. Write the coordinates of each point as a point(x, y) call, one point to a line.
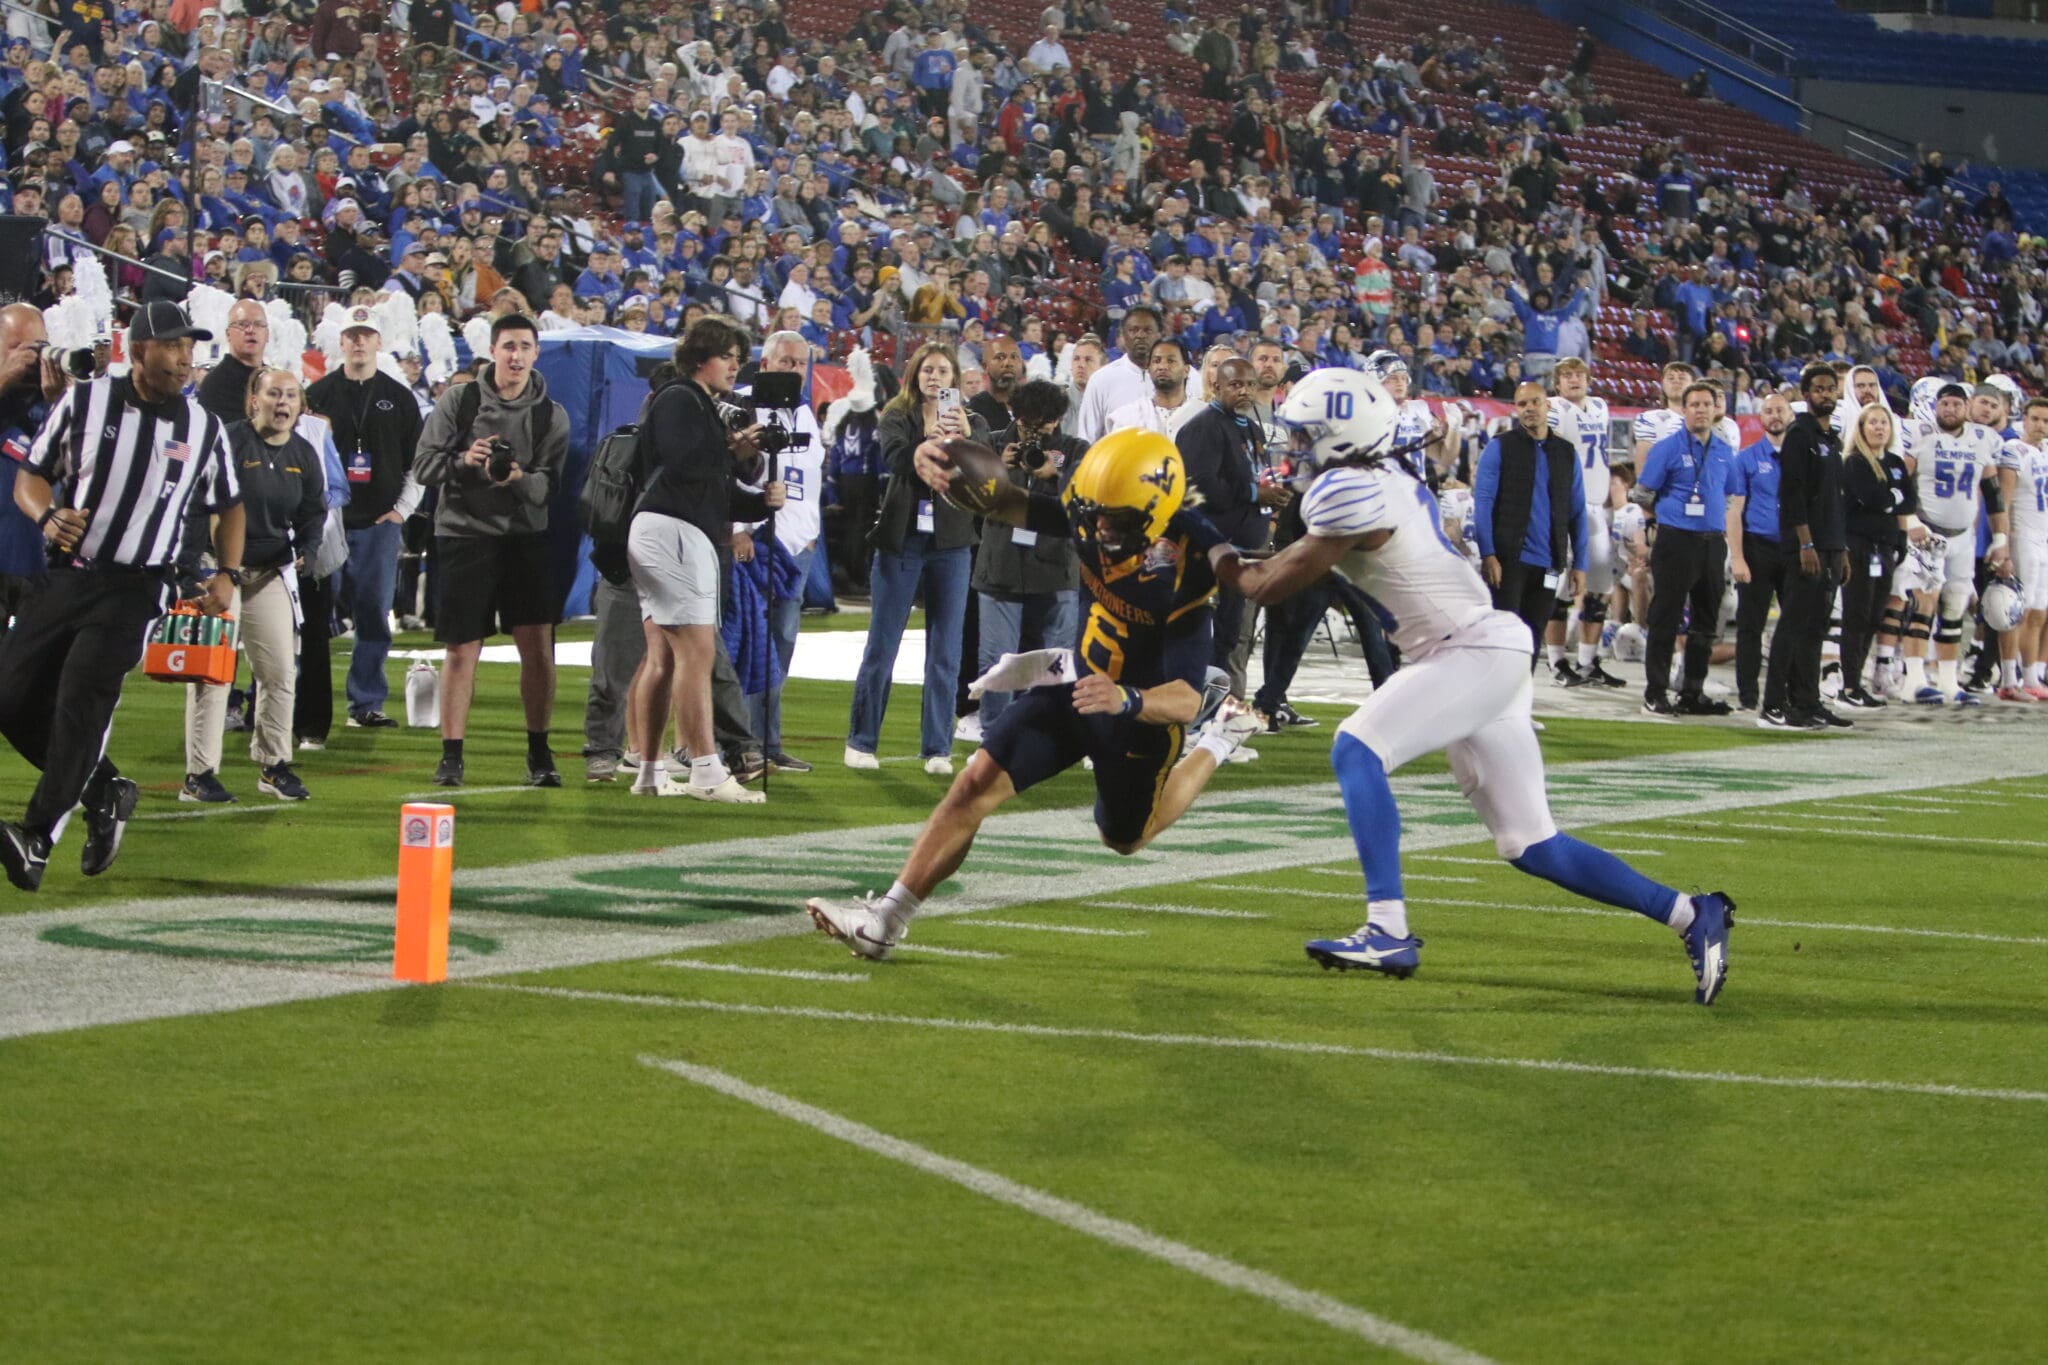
point(920, 540)
point(284, 488)
point(1879, 492)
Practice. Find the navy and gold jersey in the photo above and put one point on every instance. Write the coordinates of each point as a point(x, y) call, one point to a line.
point(1146, 619)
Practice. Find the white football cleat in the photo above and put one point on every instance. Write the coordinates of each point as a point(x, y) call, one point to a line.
point(863, 926)
point(856, 759)
point(728, 792)
point(1234, 722)
point(938, 765)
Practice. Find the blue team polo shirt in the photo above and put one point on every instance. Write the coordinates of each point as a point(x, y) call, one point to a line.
point(1754, 476)
point(1682, 465)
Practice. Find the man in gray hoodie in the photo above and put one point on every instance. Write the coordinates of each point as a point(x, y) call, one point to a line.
point(495, 447)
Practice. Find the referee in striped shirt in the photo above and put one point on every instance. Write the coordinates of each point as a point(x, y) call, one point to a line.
point(109, 480)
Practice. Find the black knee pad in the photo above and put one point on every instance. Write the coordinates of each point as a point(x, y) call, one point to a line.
point(1893, 622)
point(1948, 630)
point(1561, 610)
point(1917, 625)
point(1595, 610)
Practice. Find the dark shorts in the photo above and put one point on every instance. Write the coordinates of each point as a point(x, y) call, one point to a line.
point(1040, 735)
point(492, 583)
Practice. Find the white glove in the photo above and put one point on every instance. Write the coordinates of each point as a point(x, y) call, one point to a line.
point(1021, 672)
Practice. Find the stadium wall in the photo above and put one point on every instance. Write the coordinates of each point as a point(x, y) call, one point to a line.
point(2001, 126)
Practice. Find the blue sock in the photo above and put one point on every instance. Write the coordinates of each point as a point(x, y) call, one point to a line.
point(1597, 875)
point(1375, 821)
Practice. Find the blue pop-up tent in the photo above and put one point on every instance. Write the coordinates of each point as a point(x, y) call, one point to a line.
point(599, 376)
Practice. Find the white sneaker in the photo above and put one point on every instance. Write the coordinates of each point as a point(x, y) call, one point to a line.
point(1234, 722)
point(861, 925)
point(856, 759)
point(939, 766)
point(967, 730)
point(666, 786)
point(728, 792)
point(312, 746)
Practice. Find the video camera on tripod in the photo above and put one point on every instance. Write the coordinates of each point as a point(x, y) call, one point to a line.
point(773, 395)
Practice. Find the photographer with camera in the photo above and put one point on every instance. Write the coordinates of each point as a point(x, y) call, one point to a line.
point(1028, 586)
point(494, 446)
point(796, 457)
point(680, 549)
point(32, 377)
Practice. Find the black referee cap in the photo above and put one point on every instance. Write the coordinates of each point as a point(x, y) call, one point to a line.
point(163, 321)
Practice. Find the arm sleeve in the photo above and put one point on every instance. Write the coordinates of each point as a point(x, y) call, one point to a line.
point(50, 454)
point(1656, 469)
point(537, 485)
point(1485, 487)
point(437, 457)
point(1346, 503)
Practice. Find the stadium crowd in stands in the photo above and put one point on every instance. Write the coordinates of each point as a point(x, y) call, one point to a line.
point(976, 175)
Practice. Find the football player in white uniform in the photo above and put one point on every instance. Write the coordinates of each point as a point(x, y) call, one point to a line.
point(1582, 419)
point(1954, 463)
point(1654, 424)
point(2023, 476)
point(1464, 687)
point(1416, 428)
point(1990, 406)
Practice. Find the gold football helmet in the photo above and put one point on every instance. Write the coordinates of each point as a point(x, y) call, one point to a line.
point(1128, 486)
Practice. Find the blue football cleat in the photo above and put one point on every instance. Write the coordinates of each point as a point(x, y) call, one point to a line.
point(1706, 943)
point(1967, 698)
point(1371, 949)
point(1930, 696)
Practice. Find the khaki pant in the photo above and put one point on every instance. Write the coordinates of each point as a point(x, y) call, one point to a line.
point(271, 642)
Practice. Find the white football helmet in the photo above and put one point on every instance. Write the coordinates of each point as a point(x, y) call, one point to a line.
point(2003, 605)
point(1382, 363)
point(1338, 416)
point(2015, 397)
point(1921, 403)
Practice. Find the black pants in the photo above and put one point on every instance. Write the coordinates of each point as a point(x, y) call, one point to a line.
point(1523, 592)
point(1291, 629)
point(1753, 607)
point(1686, 569)
point(1228, 621)
point(1863, 599)
point(313, 703)
point(78, 637)
point(1794, 680)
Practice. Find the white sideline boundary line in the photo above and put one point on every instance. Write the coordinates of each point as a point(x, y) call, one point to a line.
point(1080, 1218)
point(1046, 928)
point(1832, 819)
point(1896, 834)
point(1557, 1065)
point(1682, 838)
point(1354, 873)
point(1201, 911)
point(205, 812)
point(1636, 852)
point(931, 951)
point(454, 794)
point(785, 973)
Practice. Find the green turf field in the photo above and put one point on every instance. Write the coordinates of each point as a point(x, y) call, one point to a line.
point(1105, 1111)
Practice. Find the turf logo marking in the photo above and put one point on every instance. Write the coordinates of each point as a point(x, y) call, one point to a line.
point(241, 938)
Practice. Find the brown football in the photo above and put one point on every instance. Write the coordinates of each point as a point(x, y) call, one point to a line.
point(980, 474)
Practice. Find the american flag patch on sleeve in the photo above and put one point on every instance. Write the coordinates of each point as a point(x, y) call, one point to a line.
point(179, 451)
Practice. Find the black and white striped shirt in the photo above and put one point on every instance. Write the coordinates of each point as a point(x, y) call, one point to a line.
point(137, 466)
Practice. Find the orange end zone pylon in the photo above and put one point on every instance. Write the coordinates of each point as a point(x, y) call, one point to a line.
point(426, 874)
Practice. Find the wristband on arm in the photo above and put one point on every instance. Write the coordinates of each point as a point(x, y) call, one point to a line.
point(1134, 702)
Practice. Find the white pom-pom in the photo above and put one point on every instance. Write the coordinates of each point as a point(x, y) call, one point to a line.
point(327, 336)
point(69, 323)
point(208, 307)
point(89, 283)
point(399, 322)
point(287, 349)
point(477, 332)
point(439, 344)
point(1038, 367)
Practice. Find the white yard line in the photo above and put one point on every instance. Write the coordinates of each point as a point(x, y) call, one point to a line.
point(1896, 834)
point(1200, 911)
point(1545, 1064)
point(1634, 852)
point(1831, 819)
point(1045, 928)
point(929, 951)
point(786, 974)
point(1680, 838)
point(1088, 1222)
point(1405, 876)
point(1450, 858)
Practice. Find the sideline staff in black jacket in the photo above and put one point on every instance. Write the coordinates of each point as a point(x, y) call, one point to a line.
point(681, 548)
point(1813, 520)
point(1530, 514)
point(1216, 451)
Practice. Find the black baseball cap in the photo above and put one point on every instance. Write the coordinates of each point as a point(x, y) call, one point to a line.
point(163, 321)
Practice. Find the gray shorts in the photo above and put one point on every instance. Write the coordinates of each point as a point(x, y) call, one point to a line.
point(675, 570)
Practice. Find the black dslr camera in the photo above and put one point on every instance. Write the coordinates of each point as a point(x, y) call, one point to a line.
point(773, 394)
point(1033, 457)
point(502, 455)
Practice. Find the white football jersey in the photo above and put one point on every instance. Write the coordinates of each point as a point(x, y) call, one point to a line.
point(1585, 426)
point(2029, 506)
point(1728, 430)
point(1654, 424)
point(1424, 590)
point(1458, 508)
point(1948, 467)
point(1629, 523)
point(1412, 423)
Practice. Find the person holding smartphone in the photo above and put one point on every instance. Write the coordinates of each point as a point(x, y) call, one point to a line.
point(920, 541)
